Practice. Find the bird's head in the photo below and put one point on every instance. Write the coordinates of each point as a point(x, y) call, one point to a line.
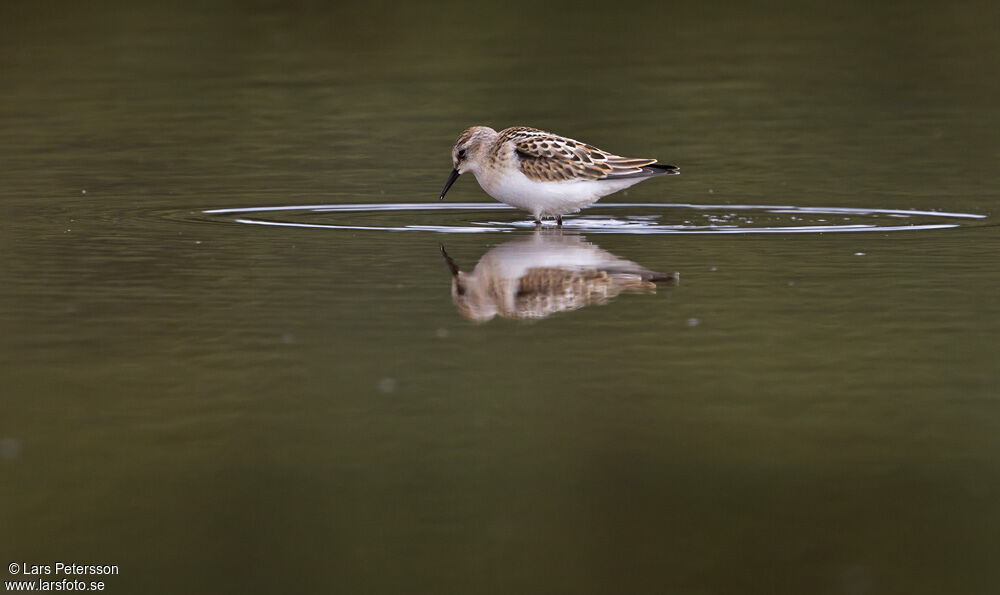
point(469, 152)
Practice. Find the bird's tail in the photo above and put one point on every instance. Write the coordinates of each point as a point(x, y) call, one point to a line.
point(657, 169)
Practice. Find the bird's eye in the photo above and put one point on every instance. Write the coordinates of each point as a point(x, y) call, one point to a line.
point(461, 154)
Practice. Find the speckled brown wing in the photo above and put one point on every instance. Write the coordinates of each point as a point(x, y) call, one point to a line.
point(546, 290)
point(543, 291)
point(547, 157)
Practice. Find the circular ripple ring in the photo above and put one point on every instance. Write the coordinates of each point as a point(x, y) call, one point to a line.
point(689, 218)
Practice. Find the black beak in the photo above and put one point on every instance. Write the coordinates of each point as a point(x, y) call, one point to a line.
point(448, 261)
point(451, 180)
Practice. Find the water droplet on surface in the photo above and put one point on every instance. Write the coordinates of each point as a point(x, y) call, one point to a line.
point(692, 322)
point(859, 254)
point(10, 448)
point(441, 333)
point(387, 385)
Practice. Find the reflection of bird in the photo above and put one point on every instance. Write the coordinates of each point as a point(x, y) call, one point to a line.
point(540, 275)
point(542, 173)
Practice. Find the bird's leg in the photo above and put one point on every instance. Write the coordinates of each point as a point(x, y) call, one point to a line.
point(558, 220)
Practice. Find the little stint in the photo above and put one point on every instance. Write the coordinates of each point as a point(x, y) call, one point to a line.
point(542, 173)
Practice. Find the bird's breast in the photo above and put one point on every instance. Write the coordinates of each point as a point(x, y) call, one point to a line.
point(541, 198)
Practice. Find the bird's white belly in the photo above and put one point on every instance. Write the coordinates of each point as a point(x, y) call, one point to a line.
point(548, 199)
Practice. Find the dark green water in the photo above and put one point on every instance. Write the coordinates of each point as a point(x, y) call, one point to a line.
point(227, 408)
